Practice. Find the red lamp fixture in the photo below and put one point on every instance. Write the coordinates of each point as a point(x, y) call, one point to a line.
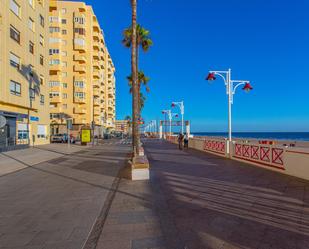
point(210, 77)
point(173, 105)
point(247, 87)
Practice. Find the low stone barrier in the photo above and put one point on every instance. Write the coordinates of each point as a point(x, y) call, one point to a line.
point(293, 161)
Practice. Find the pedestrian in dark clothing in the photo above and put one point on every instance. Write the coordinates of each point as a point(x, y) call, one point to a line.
point(186, 141)
point(180, 141)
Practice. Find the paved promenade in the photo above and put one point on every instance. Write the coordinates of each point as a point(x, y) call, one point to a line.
point(76, 199)
point(196, 200)
point(51, 196)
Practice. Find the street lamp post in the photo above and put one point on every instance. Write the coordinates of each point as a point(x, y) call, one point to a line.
point(182, 112)
point(231, 87)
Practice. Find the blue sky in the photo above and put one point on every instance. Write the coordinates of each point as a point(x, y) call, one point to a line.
point(264, 41)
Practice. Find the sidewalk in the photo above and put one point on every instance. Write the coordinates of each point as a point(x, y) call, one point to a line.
point(55, 199)
point(195, 200)
point(15, 160)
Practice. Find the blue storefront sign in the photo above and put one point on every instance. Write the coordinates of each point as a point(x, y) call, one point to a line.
point(32, 118)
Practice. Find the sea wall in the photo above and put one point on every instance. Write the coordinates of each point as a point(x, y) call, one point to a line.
point(292, 161)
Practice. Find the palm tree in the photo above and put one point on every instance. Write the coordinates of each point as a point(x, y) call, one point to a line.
point(134, 80)
point(142, 80)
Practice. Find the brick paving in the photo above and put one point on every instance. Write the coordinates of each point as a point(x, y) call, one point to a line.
point(196, 200)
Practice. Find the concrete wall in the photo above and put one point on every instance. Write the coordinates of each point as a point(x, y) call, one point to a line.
point(292, 161)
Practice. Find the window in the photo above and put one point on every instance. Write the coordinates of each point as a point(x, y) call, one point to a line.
point(41, 131)
point(54, 29)
point(41, 79)
point(80, 20)
point(63, 11)
point(64, 74)
point(32, 94)
point(31, 24)
point(54, 94)
point(41, 40)
point(15, 88)
point(54, 40)
point(42, 99)
point(15, 34)
point(53, 51)
point(64, 95)
point(65, 106)
point(79, 41)
point(64, 53)
point(64, 64)
point(64, 31)
point(31, 47)
point(64, 42)
point(64, 85)
point(54, 83)
point(54, 19)
point(54, 62)
point(79, 95)
point(22, 131)
point(80, 84)
point(42, 60)
point(80, 31)
point(14, 60)
point(64, 21)
point(42, 21)
point(15, 8)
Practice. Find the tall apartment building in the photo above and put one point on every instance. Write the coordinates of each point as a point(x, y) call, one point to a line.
point(23, 71)
point(82, 82)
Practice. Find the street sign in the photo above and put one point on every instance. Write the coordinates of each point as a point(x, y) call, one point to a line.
point(2, 121)
point(33, 118)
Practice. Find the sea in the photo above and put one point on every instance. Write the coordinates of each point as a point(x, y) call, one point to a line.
point(294, 136)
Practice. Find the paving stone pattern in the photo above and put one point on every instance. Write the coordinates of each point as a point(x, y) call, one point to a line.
point(54, 204)
point(196, 200)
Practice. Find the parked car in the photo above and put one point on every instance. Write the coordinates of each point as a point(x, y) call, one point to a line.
point(61, 138)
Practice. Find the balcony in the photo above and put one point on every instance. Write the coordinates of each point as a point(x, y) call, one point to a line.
point(80, 68)
point(96, 102)
point(96, 84)
point(96, 65)
point(55, 100)
point(96, 34)
point(55, 67)
point(80, 47)
point(79, 89)
point(55, 89)
point(79, 100)
point(79, 110)
point(96, 112)
point(96, 92)
point(80, 58)
point(96, 45)
point(96, 74)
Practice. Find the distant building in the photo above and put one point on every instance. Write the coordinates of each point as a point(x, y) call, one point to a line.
point(82, 81)
point(122, 126)
point(24, 71)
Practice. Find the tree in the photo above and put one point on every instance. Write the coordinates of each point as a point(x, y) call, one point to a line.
point(134, 80)
point(142, 80)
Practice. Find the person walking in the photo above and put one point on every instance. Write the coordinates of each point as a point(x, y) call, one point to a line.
point(186, 141)
point(180, 141)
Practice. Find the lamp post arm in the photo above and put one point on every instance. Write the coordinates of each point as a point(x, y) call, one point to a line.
point(238, 83)
point(221, 74)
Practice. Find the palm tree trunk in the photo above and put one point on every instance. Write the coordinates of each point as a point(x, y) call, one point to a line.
point(134, 80)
